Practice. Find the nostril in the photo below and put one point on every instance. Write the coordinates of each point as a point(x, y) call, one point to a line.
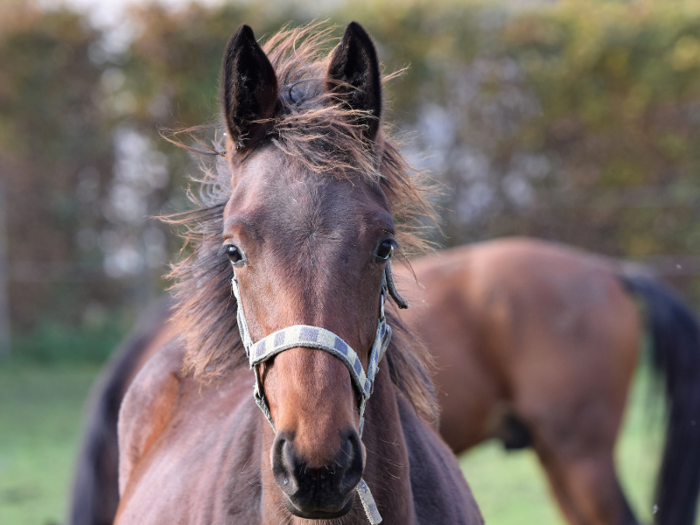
point(282, 464)
point(353, 464)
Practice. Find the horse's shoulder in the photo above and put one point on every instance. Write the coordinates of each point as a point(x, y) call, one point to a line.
point(147, 406)
point(438, 485)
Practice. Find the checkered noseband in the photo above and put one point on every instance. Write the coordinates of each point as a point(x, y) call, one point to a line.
point(319, 338)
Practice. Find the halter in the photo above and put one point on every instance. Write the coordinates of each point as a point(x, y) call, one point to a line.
point(321, 339)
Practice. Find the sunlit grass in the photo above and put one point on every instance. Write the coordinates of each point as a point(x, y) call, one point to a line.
point(40, 411)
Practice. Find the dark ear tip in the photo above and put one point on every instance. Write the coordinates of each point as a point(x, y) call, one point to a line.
point(356, 30)
point(244, 32)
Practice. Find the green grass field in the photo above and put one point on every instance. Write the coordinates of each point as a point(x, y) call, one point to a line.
point(40, 412)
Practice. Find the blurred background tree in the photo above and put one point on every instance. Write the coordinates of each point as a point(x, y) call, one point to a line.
point(56, 158)
point(575, 121)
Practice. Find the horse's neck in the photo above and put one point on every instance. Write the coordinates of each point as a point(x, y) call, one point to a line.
point(386, 472)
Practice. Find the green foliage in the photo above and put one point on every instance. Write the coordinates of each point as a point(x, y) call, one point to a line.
point(605, 95)
point(52, 133)
point(56, 342)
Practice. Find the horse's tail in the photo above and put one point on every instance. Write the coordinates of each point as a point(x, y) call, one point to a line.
point(95, 493)
point(675, 334)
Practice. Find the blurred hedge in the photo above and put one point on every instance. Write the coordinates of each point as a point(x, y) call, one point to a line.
point(576, 121)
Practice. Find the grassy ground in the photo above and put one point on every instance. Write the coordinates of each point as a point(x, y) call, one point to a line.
point(40, 410)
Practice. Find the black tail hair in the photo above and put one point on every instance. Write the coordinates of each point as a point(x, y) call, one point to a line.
point(675, 335)
point(95, 493)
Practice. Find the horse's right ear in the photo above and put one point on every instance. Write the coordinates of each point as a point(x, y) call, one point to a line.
point(249, 89)
point(353, 76)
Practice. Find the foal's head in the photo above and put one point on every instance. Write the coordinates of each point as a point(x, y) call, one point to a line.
point(308, 230)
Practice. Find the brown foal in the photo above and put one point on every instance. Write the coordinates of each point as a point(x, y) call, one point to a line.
point(303, 214)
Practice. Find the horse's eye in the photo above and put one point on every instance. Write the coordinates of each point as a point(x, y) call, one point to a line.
point(234, 254)
point(384, 251)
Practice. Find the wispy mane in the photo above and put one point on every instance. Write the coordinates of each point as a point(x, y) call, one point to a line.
point(322, 135)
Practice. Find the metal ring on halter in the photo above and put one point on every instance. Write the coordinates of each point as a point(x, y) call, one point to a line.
point(322, 339)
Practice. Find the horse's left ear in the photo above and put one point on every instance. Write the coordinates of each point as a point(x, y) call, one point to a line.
point(353, 76)
point(249, 89)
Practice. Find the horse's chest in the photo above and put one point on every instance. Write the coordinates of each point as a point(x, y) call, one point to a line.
point(204, 468)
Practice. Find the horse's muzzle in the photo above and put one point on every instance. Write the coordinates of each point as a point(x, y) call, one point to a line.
point(324, 492)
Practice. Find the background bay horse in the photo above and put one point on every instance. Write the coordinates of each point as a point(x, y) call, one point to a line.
point(300, 222)
point(536, 344)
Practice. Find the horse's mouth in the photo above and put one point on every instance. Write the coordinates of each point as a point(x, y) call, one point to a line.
point(320, 514)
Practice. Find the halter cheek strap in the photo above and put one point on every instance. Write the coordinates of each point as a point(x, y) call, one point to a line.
point(322, 339)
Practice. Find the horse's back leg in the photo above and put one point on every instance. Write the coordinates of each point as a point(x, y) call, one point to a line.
point(574, 420)
point(570, 388)
point(586, 486)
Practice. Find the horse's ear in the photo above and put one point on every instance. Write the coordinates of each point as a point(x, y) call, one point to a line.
point(353, 76)
point(249, 89)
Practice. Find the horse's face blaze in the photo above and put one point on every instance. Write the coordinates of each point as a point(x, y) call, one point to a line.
point(307, 248)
